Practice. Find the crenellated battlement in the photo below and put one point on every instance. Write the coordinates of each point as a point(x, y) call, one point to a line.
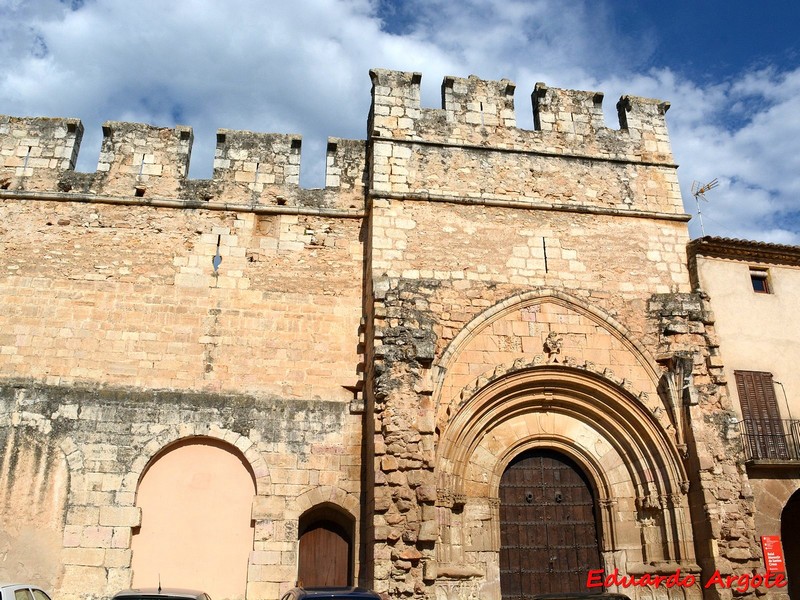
point(37, 147)
point(481, 112)
point(145, 161)
point(567, 111)
point(643, 119)
point(480, 103)
point(471, 149)
point(247, 163)
point(136, 159)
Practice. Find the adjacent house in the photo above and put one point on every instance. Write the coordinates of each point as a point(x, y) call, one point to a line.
point(753, 289)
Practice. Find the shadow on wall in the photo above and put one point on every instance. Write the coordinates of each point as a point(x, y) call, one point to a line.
point(790, 524)
point(34, 484)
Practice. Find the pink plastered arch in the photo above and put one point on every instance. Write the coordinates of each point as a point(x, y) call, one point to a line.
point(162, 441)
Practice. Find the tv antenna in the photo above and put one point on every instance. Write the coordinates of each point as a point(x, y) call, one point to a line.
point(699, 191)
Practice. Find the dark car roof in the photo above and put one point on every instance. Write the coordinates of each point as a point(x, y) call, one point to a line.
point(334, 592)
point(162, 593)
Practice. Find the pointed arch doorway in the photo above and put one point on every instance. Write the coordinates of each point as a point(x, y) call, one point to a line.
point(548, 526)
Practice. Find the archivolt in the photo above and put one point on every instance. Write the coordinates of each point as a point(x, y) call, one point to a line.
point(651, 404)
point(477, 442)
point(327, 495)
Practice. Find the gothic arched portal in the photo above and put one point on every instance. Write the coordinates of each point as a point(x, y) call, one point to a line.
point(615, 446)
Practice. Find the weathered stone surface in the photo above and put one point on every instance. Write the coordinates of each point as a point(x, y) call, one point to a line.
point(462, 293)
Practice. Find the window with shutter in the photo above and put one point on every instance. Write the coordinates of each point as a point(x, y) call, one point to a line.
point(763, 426)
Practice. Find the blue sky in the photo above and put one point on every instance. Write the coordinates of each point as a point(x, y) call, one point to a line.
point(731, 71)
point(711, 40)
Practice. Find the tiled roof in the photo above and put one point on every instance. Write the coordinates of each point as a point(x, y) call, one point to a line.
point(721, 247)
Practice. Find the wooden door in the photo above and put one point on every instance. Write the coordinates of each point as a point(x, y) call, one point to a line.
point(325, 556)
point(548, 532)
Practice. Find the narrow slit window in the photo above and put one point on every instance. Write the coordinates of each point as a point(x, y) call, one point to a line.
point(759, 278)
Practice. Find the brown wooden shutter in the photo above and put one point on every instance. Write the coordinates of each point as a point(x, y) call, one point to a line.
point(763, 425)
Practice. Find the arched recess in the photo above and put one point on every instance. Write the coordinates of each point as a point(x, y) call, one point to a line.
point(545, 487)
point(633, 466)
point(326, 549)
point(790, 524)
point(196, 499)
point(166, 438)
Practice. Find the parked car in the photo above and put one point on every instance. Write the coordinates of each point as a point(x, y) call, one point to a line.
point(160, 593)
point(22, 591)
point(330, 593)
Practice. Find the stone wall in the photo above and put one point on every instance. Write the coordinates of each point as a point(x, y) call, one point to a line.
point(462, 291)
point(131, 297)
point(300, 452)
point(486, 241)
point(142, 308)
point(152, 163)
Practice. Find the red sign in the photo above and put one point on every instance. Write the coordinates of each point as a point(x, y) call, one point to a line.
point(773, 553)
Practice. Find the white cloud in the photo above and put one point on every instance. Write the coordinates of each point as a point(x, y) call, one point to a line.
point(302, 68)
point(745, 133)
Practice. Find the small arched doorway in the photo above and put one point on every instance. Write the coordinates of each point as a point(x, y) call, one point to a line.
point(548, 526)
point(325, 556)
point(790, 524)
